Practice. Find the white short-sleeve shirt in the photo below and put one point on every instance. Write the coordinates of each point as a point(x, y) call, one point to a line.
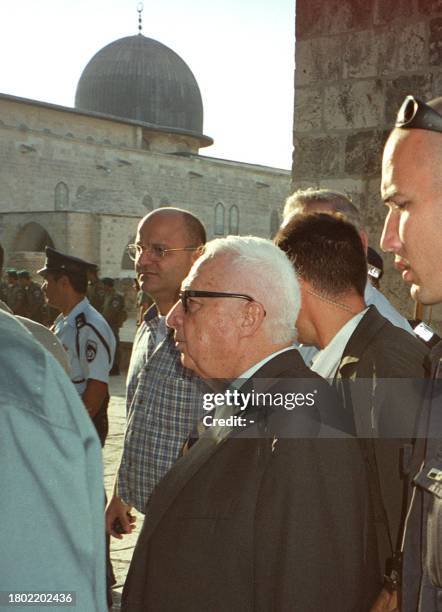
point(89, 343)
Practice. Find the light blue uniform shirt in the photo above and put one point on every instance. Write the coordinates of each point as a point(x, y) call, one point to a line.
point(51, 478)
point(89, 343)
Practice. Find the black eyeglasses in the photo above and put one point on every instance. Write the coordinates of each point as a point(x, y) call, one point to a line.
point(415, 114)
point(190, 293)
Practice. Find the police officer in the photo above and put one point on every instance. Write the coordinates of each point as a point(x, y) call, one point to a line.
point(15, 294)
point(34, 297)
point(86, 337)
point(84, 333)
point(115, 314)
point(412, 190)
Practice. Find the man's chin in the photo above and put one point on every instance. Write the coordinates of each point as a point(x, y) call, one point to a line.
point(426, 295)
point(187, 362)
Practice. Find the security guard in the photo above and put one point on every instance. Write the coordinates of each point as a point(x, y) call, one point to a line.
point(115, 314)
point(88, 340)
point(15, 294)
point(84, 333)
point(34, 297)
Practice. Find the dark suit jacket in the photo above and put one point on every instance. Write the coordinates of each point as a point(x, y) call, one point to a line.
point(262, 524)
point(422, 590)
point(381, 379)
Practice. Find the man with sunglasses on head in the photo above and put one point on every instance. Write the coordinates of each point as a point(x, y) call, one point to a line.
point(163, 402)
point(412, 190)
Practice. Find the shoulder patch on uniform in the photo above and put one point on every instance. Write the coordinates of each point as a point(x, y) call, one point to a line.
point(91, 350)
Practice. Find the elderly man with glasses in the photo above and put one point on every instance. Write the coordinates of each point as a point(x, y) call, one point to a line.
point(259, 513)
point(162, 396)
point(412, 191)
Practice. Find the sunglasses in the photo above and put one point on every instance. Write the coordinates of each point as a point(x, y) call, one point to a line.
point(191, 293)
point(415, 114)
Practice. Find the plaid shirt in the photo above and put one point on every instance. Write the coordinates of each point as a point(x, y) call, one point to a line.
point(163, 405)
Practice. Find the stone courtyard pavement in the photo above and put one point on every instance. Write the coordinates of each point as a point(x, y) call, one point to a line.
point(121, 550)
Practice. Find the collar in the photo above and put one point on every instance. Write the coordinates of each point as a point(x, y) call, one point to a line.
point(80, 307)
point(326, 362)
point(370, 293)
point(238, 382)
point(151, 313)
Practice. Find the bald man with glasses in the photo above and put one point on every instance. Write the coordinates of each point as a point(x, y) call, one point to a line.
point(163, 401)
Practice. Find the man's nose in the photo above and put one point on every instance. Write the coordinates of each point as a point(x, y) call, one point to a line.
point(390, 234)
point(175, 316)
point(146, 257)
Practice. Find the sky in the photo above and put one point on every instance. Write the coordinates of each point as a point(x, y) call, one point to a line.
point(240, 51)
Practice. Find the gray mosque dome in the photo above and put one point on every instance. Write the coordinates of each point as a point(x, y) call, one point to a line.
point(141, 79)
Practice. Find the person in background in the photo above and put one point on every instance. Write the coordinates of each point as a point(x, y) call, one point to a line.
point(34, 297)
point(95, 289)
point(15, 294)
point(325, 200)
point(377, 368)
point(114, 312)
point(88, 340)
point(163, 397)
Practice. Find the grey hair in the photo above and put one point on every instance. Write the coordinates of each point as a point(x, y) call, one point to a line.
point(261, 269)
point(335, 201)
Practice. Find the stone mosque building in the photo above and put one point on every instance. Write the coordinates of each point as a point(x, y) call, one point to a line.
point(80, 178)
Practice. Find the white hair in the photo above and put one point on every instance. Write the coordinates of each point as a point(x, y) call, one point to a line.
point(261, 269)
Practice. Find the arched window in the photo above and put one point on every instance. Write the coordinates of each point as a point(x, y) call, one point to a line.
point(32, 237)
point(233, 220)
point(274, 223)
point(219, 219)
point(126, 261)
point(61, 196)
point(148, 202)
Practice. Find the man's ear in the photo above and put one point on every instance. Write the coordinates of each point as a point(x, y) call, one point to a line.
point(253, 317)
point(196, 254)
point(65, 282)
point(364, 238)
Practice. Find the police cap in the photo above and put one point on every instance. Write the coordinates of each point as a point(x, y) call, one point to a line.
point(60, 262)
point(109, 282)
point(375, 263)
point(23, 274)
point(12, 273)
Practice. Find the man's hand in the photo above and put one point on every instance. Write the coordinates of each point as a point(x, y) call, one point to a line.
point(386, 602)
point(94, 396)
point(118, 509)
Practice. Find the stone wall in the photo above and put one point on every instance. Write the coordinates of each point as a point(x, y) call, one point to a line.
point(355, 62)
point(87, 192)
